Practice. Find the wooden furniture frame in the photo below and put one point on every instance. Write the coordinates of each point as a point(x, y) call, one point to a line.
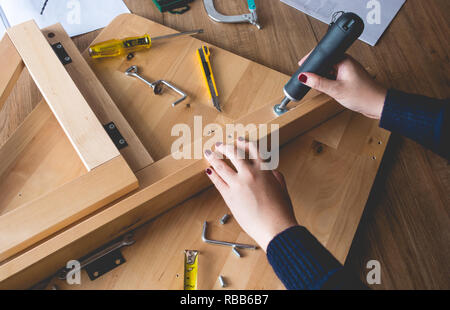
point(162, 184)
point(107, 176)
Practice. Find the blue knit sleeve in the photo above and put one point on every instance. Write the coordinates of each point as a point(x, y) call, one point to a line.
point(301, 262)
point(422, 119)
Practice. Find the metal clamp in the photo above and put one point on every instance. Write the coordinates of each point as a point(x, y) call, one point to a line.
point(234, 245)
point(251, 18)
point(156, 86)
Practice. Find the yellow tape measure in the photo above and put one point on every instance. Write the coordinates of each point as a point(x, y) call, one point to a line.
point(190, 270)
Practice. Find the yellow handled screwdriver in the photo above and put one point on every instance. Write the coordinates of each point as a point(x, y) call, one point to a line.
point(114, 48)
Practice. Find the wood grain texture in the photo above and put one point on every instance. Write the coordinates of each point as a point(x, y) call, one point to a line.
point(156, 193)
point(31, 164)
point(170, 181)
point(21, 227)
point(67, 103)
point(99, 100)
point(12, 65)
point(411, 56)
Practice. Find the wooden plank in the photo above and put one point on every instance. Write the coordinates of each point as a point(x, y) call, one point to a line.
point(98, 98)
point(12, 66)
point(28, 224)
point(36, 159)
point(67, 103)
point(22, 136)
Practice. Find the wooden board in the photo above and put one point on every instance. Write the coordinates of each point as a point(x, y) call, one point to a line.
point(87, 136)
point(31, 209)
point(99, 100)
point(12, 65)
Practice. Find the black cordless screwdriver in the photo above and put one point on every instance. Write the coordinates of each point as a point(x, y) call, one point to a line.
point(341, 35)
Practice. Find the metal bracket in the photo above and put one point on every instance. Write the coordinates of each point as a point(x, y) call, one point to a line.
point(61, 53)
point(251, 18)
point(105, 264)
point(115, 135)
point(102, 260)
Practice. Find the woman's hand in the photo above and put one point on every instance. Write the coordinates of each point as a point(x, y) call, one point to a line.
point(354, 88)
point(258, 199)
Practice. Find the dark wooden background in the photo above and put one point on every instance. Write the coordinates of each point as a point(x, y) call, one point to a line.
point(406, 223)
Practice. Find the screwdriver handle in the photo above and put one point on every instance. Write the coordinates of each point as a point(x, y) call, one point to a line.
point(113, 48)
point(340, 36)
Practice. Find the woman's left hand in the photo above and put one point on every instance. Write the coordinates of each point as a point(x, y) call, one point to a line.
point(258, 199)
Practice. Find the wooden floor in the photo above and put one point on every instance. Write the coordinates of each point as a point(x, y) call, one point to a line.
point(406, 224)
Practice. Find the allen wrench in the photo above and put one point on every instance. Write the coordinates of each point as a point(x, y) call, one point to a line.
point(156, 86)
point(233, 245)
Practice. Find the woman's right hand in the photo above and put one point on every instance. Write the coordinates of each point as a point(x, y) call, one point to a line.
point(354, 88)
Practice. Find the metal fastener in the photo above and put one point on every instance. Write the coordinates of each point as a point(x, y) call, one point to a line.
point(224, 219)
point(222, 281)
point(156, 86)
point(236, 252)
point(237, 245)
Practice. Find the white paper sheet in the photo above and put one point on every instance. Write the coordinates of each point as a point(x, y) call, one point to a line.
point(76, 16)
point(3, 22)
point(367, 9)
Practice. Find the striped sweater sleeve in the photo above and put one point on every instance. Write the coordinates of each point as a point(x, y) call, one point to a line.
point(301, 262)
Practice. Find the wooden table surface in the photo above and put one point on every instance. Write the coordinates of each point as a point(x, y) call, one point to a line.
point(406, 222)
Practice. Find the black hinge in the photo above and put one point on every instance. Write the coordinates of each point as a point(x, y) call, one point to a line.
point(115, 135)
point(105, 264)
point(61, 53)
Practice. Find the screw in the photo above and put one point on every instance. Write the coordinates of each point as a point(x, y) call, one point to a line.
point(130, 56)
point(67, 58)
point(59, 46)
point(236, 252)
point(222, 281)
point(121, 141)
point(374, 157)
point(224, 219)
point(111, 126)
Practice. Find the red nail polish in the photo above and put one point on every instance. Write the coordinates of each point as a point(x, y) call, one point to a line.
point(208, 153)
point(302, 78)
point(209, 171)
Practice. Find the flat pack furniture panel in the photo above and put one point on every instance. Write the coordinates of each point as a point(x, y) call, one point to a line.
point(248, 92)
point(67, 103)
point(106, 176)
point(99, 100)
point(12, 65)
